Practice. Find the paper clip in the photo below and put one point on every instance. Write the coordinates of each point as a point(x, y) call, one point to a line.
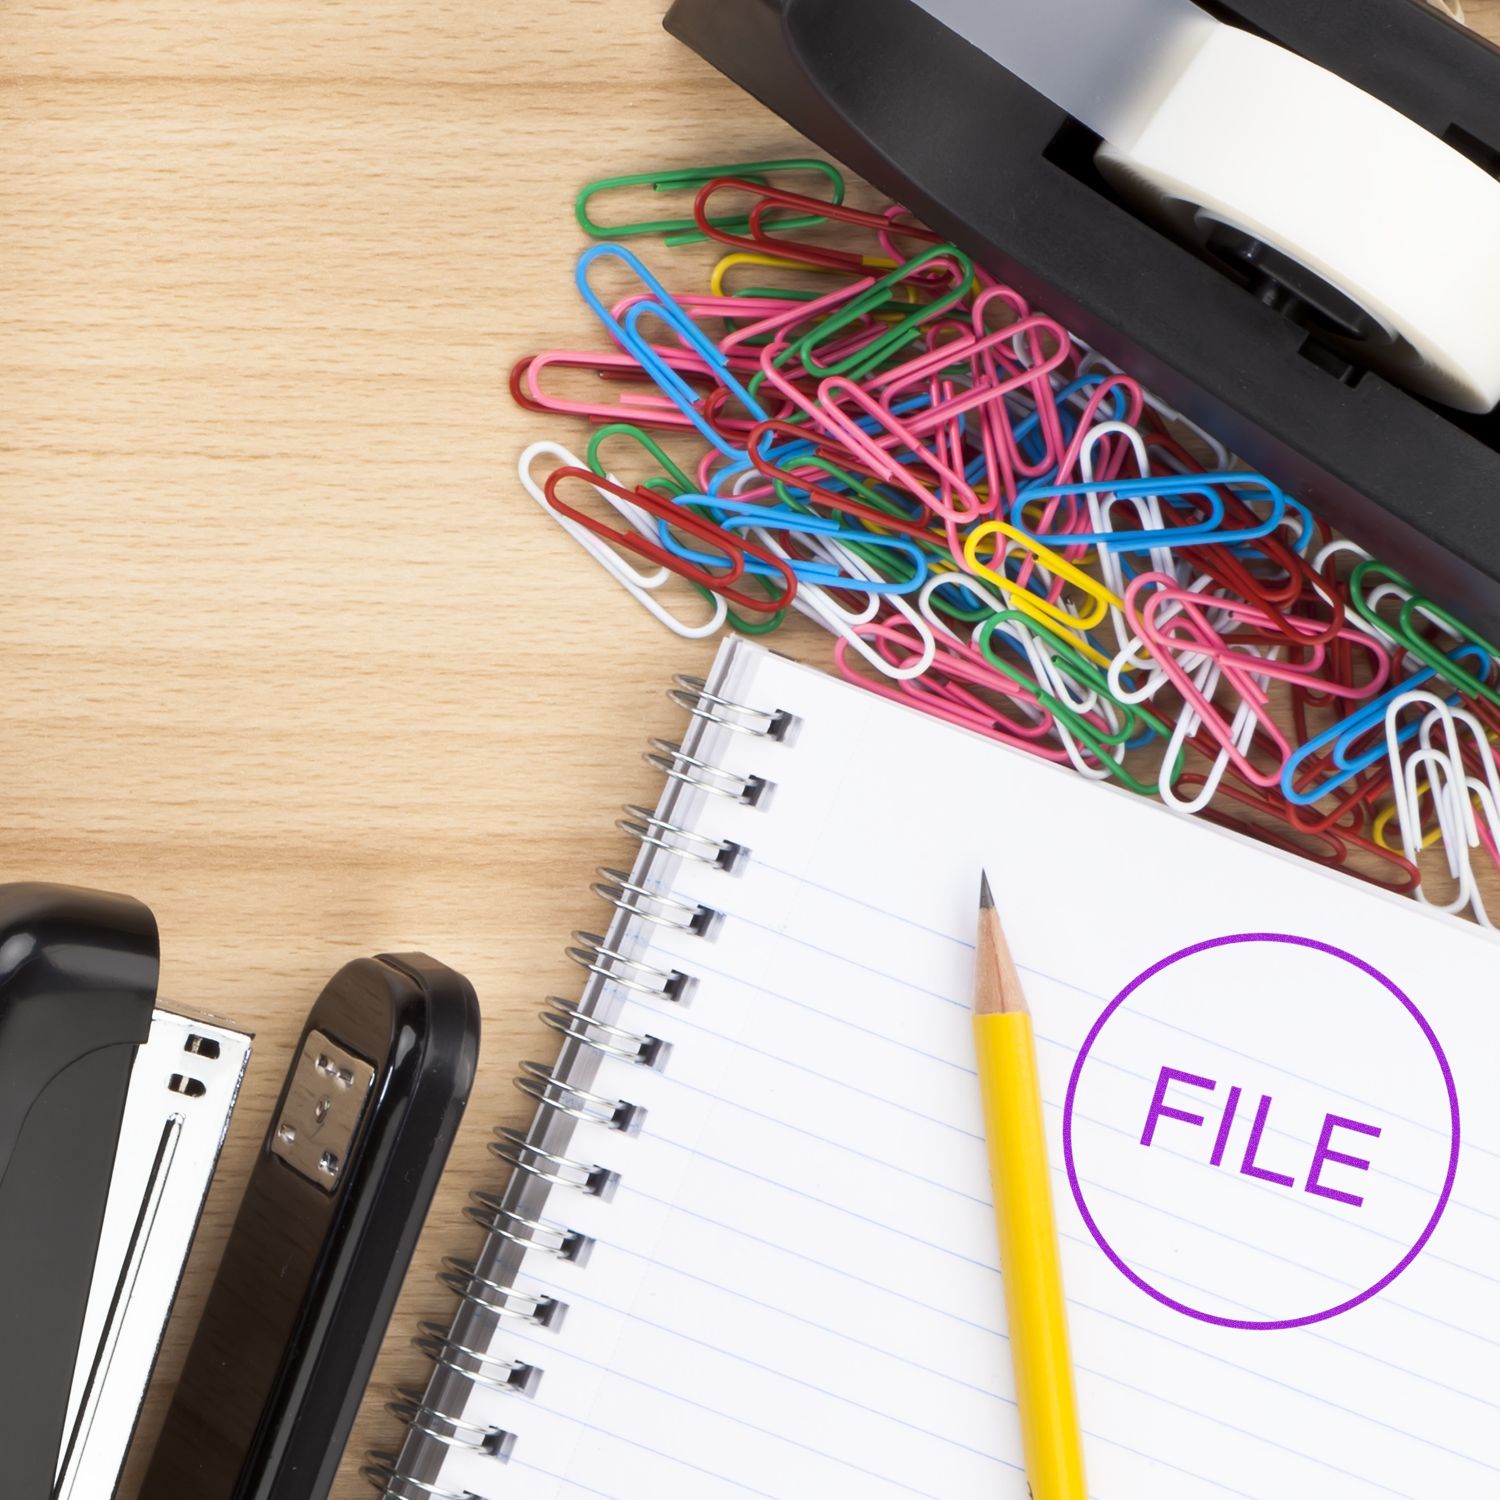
point(1167, 417)
point(718, 282)
point(1123, 442)
point(1440, 773)
point(625, 432)
point(897, 447)
point(1245, 678)
point(768, 200)
point(655, 365)
point(851, 629)
point(1106, 737)
point(948, 689)
point(736, 553)
point(1045, 610)
point(1404, 629)
point(678, 391)
point(983, 387)
point(798, 485)
point(1480, 761)
point(957, 270)
point(1188, 627)
point(735, 515)
point(685, 231)
point(1341, 739)
point(637, 583)
point(1242, 730)
point(1061, 429)
point(882, 455)
point(1168, 489)
point(621, 370)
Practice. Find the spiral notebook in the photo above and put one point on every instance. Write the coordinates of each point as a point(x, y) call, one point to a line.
point(746, 1247)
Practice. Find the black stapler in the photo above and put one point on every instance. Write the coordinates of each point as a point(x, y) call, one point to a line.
point(112, 1113)
point(78, 972)
point(1248, 345)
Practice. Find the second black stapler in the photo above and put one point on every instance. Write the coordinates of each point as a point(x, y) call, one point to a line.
point(325, 1230)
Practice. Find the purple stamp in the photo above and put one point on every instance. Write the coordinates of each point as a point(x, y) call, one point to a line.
point(1261, 1131)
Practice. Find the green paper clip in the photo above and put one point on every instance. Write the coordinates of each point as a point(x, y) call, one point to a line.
point(1405, 631)
point(1077, 667)
point(685, 231)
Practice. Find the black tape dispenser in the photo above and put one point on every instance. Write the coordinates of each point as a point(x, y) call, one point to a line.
point(1251, 206)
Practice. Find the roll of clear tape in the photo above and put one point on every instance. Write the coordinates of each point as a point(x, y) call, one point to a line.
point(1107, 62)
point(1253, 137)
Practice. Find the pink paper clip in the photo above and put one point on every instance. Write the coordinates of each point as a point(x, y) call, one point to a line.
point(954, 499)
point(1223, 650)
point(945, 690)
point(645, 407)
point(1241, 678)
point(747, 311)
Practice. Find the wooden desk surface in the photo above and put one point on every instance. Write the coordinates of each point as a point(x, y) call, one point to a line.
point(287, 653)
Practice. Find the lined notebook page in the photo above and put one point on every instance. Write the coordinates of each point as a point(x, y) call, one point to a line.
point(793, 1293)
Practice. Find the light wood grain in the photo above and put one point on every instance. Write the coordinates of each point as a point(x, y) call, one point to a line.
point(286, 653)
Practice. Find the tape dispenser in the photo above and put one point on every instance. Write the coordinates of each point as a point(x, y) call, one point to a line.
point(1255, 208)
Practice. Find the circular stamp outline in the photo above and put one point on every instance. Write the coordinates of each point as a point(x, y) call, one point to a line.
point(1261, 1325)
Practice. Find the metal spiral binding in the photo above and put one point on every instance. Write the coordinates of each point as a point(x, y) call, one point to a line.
point(692, 694)
point(479, 1367)
point(551, 1092)
point(622, 893)
point(450, 1431)
point(676, 764)
point(591, 952)
point(559, 1171)
point(381, 1471)
point(462, 1276)
point(556, 1095)
point(642, 1049)
point(530, 1234)
point(646, 828)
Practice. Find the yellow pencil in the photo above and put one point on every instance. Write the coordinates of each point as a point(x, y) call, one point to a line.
point(1030, 1264)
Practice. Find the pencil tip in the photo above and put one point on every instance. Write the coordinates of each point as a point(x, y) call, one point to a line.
point(997, 986)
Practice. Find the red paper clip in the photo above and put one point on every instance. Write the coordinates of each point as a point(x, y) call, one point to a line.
point(736, 549)
point(769, 200)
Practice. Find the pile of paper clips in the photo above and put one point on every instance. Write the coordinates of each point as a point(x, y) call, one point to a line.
point(1002, 529)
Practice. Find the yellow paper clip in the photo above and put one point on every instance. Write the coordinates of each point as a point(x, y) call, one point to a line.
point(1056, 617)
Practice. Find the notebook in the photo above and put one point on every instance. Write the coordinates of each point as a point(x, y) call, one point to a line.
point(749, 1249)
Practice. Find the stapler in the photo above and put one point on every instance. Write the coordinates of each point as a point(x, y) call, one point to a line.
point(1295, 364)
point(78, 975)
point(112, 1113)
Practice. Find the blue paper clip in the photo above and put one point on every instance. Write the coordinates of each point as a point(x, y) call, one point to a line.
point(628, 337)
point(1164, 488)
point(1346, 734)
point(739, 515)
